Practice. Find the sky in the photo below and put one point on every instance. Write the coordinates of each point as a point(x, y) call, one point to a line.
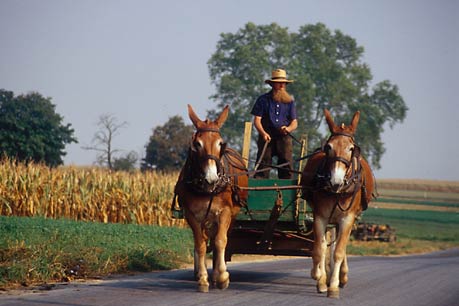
point(144, 61)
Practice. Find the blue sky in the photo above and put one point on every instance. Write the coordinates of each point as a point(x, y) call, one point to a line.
point(143, 61)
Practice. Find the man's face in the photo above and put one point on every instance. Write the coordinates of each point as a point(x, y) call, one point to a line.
point(278, 85)
point(280, 93)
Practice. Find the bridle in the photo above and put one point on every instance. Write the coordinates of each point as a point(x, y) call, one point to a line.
point(353, 180)
point(194, 178)
point(196, 183)
point(355, 153)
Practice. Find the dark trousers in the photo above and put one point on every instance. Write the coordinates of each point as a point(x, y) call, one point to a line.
point(280, 146)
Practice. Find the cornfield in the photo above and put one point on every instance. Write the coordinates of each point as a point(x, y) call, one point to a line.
point(86, 194)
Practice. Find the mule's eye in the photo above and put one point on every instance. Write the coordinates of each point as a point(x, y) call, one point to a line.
point(351, 149)
point(197, 145)
point(327, 148)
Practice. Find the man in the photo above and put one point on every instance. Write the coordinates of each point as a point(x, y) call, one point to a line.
point(275, 118)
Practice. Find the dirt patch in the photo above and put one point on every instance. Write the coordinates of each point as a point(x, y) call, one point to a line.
point(415, 207)
point(418, 184)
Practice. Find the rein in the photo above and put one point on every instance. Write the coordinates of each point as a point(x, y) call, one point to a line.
point(196, 182)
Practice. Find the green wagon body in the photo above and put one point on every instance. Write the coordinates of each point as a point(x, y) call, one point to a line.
point(276, 222)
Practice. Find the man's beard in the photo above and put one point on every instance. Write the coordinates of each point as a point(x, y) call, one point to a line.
point(282, 96)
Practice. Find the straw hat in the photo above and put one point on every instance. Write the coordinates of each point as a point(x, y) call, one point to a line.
point(279, 76)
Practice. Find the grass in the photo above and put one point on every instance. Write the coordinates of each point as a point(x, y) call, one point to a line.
point(419, 202)
point(417, 232)
point(38, 250)
point(35, 249)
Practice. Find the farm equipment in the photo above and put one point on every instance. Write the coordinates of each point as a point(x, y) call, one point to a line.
point(370, 231)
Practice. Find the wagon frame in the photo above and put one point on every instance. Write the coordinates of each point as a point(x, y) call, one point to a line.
point(277, 220)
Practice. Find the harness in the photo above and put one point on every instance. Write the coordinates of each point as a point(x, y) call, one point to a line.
point(352, 183)
point(194, 179)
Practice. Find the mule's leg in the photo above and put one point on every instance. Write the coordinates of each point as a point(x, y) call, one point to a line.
point(200, 246)
point(219, 273)
point(318, 271)
point(214, 265)
point(331, 245)
point(343, 278)
point(196, 264)
point(344, 230)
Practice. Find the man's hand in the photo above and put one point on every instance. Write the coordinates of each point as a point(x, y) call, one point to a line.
point(284, 130)
point(266, 137)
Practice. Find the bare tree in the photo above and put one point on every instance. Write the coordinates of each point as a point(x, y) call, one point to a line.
point(109, 127)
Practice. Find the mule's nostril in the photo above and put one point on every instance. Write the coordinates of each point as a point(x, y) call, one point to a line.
point(335, 187)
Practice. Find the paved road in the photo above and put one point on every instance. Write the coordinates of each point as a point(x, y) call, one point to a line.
point(425, 280)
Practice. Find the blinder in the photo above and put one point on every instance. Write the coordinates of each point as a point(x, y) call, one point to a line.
point(356, 151)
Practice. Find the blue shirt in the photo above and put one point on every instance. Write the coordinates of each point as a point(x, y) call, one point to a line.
point(273, 114)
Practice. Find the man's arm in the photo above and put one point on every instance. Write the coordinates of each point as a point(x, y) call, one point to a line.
point(290, 128)
point(260, 129)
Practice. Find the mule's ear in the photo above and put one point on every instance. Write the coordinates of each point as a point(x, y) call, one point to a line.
point(223, 116)
point(329, 119)
point(194, 118)
point(355, 121)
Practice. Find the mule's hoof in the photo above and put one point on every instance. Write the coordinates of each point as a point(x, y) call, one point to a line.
point(223, 280)
point(315, 275)
point(333, 293)
point(203, 288)
point(321, 288)
point(223, 285)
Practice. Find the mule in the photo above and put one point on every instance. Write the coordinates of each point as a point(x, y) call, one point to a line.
point(338, 184)
point(208, 190)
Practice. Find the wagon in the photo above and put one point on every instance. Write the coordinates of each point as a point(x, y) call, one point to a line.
point(276, 221)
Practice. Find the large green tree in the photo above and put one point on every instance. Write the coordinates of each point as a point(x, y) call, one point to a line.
point(31, 130)
point(328, 70)
point(167, 148)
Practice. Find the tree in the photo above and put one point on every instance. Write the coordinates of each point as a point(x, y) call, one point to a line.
point(126, 162)
point(31, 130)
point(167, 148)
point(109, 127)
point(328, 71)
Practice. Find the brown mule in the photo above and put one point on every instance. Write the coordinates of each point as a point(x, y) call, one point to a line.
point(338, 184)
point(208, 191)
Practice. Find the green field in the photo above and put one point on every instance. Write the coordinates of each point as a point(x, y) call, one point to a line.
point(416, 231)
point(38, 250)
point(434, 227)
point(421, 225)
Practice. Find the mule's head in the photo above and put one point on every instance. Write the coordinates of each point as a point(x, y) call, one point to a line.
point(208, 145)
point(340, 150)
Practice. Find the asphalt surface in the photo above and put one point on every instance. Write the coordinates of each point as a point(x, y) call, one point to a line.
point(421, 280)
